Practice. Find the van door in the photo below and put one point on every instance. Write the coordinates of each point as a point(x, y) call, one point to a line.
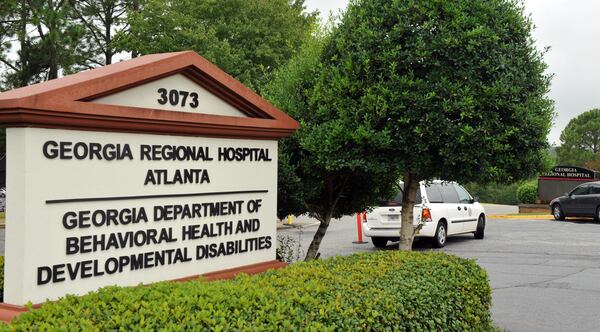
point(388, 212)
point(468, 220)
point(454, 210)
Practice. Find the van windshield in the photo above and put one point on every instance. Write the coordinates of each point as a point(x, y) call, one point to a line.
point(397, 200)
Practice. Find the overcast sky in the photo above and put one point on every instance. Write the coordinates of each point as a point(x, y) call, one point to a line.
point(571, 29)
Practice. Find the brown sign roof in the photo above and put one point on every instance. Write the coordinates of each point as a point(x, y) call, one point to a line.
point(66, 102)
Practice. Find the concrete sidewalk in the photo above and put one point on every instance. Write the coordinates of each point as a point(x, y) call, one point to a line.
point(522, 216)
point(297, 222)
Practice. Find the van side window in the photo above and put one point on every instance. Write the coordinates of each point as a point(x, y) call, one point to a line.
point(595, 189)
point(463, 195)
point(433, 193)
point(448, 192)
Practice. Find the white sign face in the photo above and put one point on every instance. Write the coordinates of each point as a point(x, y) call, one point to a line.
point(172, 93)
point(89, 209)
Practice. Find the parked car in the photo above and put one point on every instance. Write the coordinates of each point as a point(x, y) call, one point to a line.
point(582, 201)
point(443, 208)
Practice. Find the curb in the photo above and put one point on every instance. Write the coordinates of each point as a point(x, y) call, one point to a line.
point(296, 225)
point(524, 216)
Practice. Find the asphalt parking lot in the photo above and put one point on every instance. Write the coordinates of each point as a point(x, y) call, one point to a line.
point(545, 274)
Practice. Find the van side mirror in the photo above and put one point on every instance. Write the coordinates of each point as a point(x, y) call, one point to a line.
point(475, 199)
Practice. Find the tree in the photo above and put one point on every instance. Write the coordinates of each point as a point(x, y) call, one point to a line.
point(580, 140)
point(47, 41)
point(456, 87)
point(246, 38)
point(7, 24)
point(102, 20)
point(326, 169)
point(593, 164)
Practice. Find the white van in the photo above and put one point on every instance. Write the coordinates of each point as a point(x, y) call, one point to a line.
point(444, 208)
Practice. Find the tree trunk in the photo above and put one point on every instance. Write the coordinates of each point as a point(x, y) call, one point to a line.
point(53, 25)
point(411, 184)
point(108, 19)
point(313, 249)
point(25, 51)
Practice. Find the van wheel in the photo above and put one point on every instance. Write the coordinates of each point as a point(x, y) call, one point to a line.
point(597, 215)
point(439, 240)
point(379, 242)
point(480, 228)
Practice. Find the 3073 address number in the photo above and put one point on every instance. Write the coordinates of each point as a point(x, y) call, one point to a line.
point(178, 97)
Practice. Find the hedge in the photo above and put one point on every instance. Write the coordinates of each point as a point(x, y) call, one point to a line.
point(527, 193)
point(496, 193)
point(382, 291)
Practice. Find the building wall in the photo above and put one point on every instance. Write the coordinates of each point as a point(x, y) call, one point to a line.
point(550, 189)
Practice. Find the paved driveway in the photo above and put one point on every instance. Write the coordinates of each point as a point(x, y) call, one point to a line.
point(545, 275)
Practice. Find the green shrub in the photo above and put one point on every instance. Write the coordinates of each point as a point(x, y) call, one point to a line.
point(496, 193)
point(527, 193)
point(386, 290)
point(288, 250)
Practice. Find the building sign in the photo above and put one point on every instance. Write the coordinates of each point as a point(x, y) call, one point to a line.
point(137, 183)
point(174, 93)
point(569, 173)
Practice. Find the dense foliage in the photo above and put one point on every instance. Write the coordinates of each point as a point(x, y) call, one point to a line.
point(580, 140)
point(387, 290)
point(330, 167)
point(593, 164)
point(47, 37)
point(246, 38)
point(456, 87)
point(101, 20)
point(527, 193)
point(497, 193)
point(43, 39)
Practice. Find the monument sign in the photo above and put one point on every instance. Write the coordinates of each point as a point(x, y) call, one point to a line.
point(562, 179)
point(157, 168)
